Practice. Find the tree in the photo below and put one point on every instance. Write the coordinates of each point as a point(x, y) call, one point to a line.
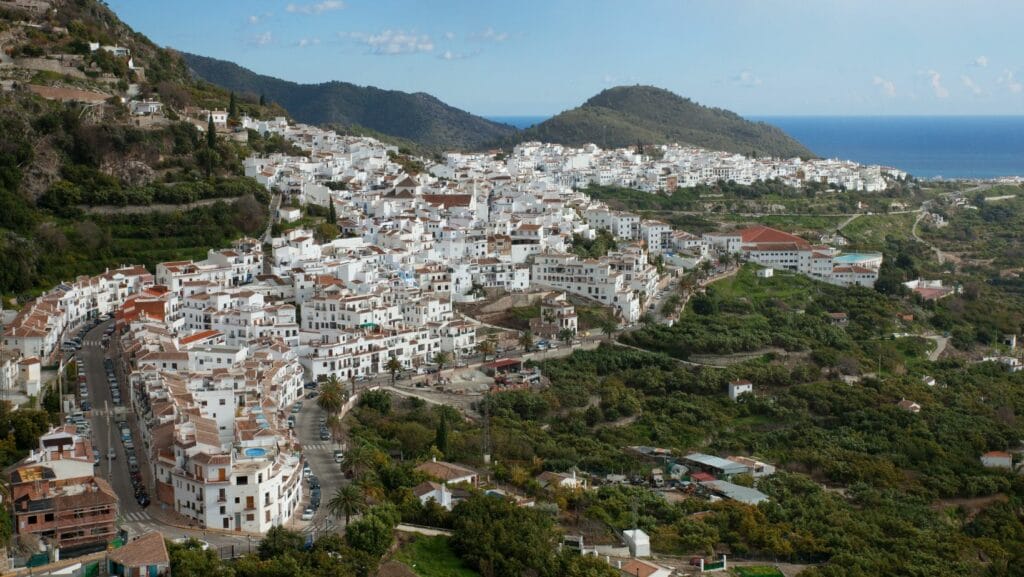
point(393, 366)
point(497, 538)
point(263, 100)
point(347, 501)
point(232, 107)
point(526, 340)
point(441, 436)
point(332, 212)
point(442, 358)
point(358, 457)
point(607, 326)
point(278, 542)
point(487, 347)
point(208, 156)
point(371, 534)
point(189, 559)
point(331, 396)
point(566, 335)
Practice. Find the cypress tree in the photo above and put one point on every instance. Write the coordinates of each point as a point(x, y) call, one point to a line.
point(232, 107)
point(441, 437)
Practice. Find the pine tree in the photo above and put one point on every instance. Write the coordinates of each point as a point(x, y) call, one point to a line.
point(441, 437)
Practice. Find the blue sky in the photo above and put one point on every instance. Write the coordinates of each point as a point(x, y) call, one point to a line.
point(756, 57)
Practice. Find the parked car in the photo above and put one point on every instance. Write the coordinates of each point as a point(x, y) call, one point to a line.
point(307, 515)
point(86, 406)
point(111, 453)
point(339, 456)
point(311, 395)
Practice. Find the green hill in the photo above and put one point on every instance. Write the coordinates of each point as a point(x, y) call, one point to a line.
point(627, 115)
point(77, 178)
point(418, 117)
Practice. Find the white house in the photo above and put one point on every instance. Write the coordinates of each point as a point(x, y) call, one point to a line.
point(740, 387)
point(430, 491)
point(997, 460)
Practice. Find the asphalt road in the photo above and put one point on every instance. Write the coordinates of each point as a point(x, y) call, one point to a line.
point(320, 456)
point(105, 434)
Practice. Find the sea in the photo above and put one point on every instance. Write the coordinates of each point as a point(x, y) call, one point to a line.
point(931, 147)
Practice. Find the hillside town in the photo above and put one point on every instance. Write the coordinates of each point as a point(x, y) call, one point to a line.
point(214, 356)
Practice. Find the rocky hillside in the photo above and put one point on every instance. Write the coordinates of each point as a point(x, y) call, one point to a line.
point(627, 115)
point(418, 117)
point(69, 72)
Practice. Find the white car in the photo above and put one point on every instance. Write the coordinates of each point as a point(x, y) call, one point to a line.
point(307, 515)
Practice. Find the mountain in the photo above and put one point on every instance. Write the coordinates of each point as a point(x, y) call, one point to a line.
point(418, 117)
point(627, 115)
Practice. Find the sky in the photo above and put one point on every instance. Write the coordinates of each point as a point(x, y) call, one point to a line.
point(539, 57)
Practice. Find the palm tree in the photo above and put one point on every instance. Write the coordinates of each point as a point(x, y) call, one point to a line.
point(487, 347)
point(608, 326)
point(331, 396)
point(442, 358)
point(334, 424)
point(357, 458)
point(393, 366)
point(347, 500)
point(566, 336)
point(526, 340)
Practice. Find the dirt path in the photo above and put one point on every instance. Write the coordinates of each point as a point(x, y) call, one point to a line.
point(939, 255)
point(144, 208)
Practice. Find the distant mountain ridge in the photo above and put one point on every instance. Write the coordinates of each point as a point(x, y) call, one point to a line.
point(628, 115)
point(418, 117)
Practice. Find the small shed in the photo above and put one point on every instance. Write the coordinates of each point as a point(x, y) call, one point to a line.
point(639, 543)
point(765, 273)
point(144, 557)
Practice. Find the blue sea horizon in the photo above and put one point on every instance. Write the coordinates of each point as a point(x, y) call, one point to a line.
point(950, 147)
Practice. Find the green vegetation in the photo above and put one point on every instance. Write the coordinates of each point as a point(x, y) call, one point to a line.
point(62, 249)
point(419, 117)
point(603, 242)
point(760, 571)
point(872, 230)
point(787, 311)
point(433, 557)
point(626, 115)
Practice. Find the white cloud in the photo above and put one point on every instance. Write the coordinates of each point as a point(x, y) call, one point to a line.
point(971, 85)
point(317, 8)
point(746, 78)
point(1012, 84)
point(981, 61)
point(935, 79)
point(264, 39)
point(888, 87)
point(451, 55)
point(303, 42)
point(449, 36)
point(254, 19)
point(393, 42)
point(489, 35)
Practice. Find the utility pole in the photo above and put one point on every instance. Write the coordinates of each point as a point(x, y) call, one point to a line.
point(110, 462)
point(487, 429)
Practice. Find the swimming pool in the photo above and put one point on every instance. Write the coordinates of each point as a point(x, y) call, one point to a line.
point(856, 257)
point(255, 452)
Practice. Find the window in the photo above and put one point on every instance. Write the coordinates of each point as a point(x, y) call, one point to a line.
point(48, 517)
point(223, 401)
point(32, 520)
point(250, 517)
point(242, 480)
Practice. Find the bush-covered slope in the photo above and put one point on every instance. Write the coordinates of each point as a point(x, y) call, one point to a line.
point(627, 115)
point(418, 117)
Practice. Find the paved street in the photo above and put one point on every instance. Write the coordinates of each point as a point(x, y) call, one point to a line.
point(320, 456)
